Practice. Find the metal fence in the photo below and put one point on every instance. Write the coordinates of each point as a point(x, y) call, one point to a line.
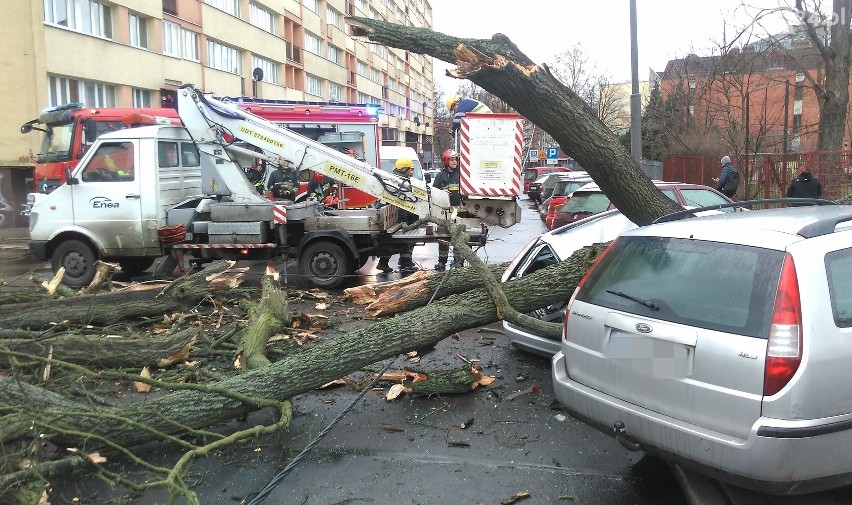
point(768, 175)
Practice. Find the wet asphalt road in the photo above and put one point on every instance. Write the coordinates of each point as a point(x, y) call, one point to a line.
point(413, 451)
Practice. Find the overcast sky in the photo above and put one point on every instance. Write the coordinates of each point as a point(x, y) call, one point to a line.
point(667, 29)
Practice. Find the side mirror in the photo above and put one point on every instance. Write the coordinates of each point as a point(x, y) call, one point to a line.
point(90, 130)
point(68, 179)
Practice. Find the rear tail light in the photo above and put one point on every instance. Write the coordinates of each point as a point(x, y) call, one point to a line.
point(784, 345)
point(580, 285)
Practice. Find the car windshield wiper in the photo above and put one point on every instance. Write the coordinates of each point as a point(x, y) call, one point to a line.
point(651, 305)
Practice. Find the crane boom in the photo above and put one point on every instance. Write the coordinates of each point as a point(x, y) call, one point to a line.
point(210, 121)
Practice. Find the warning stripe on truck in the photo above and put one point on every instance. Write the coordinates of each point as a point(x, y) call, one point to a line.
point(223, 246)
point(279, 214)
point(469, 185)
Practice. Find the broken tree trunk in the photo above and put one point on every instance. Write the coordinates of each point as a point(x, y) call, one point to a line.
point(64, 420)
point(499, 67)
point(110, 308)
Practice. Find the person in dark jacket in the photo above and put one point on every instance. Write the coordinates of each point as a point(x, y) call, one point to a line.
point(723, 185)
point(403, 167)
point(806, 185)
point(283, 182)
point(450, 181)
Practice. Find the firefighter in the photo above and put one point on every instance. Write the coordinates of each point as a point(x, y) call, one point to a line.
point(283, 181)
point(256, 173)
point(402, 168)
point(331, 199)
point(459, 106)
point(449, 180)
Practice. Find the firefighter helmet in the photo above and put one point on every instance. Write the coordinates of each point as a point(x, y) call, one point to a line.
point(452, 100)
point(449, 153)
point(404, 164)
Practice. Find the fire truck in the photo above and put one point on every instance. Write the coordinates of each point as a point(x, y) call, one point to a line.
point(139, 194)
point(69, 130)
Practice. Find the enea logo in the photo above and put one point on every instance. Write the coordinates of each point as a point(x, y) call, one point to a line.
point(102, 202)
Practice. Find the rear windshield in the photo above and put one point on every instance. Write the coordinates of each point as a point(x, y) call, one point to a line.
point(586, 202)
point(722, 287)
point(567, 187)
point(838, 266)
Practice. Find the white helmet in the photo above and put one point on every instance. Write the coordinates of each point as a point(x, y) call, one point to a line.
point(725, 160)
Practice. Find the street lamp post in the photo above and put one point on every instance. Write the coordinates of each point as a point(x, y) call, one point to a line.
point(635, 98)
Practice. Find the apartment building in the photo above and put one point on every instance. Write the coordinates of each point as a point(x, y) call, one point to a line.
point(123, 53)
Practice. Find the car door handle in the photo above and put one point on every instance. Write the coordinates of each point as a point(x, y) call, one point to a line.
point(130, 196)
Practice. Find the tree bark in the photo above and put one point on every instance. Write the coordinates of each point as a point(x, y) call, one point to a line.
point(293, 375)
point(498, 66)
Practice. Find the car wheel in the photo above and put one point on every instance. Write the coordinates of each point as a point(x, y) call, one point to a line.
point(78, 259)
point(324, 264)
point(136, 265)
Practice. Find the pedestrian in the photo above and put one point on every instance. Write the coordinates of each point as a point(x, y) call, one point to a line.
point(403, 167)
point(459, 106)
point(283, 182)
point(449, 179)
point(806, 185)
point(729, 178)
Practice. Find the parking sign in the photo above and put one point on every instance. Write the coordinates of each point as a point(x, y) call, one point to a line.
point(552, 153)
point(533, 154)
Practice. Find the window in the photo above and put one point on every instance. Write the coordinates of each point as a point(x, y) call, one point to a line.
point(262, 18)
point(232, 7)
point(838, 268)
point(335, 92)
point(332, 17)
point(222, 57)
point(313, 44)
point(335, 55)
point(86, 16)
point(97, 94)
point(375, 76)
point(112, 162)
point(167, 154)
point(170, 7)
point(138, 31)
point(362, 5)
point(363, 97)
point(313, 85)
point(189, 154)
point(171, 39)
point(270, 69)
point(312, 5)
point(141, 97)
point(362, 68)
point(63, 90)
point(190, 46)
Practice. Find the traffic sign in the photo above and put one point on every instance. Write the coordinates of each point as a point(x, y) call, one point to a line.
point(533, 154)
point(552, 153)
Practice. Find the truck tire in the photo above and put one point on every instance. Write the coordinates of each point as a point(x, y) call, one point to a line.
point(324, 264)
point(78, 258)
point(135, 265)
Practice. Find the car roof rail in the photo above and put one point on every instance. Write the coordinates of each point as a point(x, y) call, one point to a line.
point(824, 226)
point(677, 216)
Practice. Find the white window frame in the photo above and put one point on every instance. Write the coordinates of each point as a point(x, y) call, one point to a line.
point(141, 97)
point(312, 5)
point(263, 18)
point(335, 54)
point(189, 41)
point(138, 31)
point(335, 92)
point(171, 39)
point(84, 16)
point(313, 85)
point(375, 75)
point(362, 68)
point(333, 17)
point(313, 44)
point(271, 72)
point(64, 90)
point(223, 57)
point(232, 7)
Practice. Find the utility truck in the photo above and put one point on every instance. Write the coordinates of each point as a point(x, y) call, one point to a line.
point(142, 193)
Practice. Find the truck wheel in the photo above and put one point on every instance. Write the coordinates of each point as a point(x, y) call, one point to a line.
point(324, 264)
point(135, 265)
point(78, 258)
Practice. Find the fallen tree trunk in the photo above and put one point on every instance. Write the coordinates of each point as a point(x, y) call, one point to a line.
point(110, 308)
point(64, 420)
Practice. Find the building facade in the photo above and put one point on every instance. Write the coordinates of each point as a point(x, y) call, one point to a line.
point(137, 53)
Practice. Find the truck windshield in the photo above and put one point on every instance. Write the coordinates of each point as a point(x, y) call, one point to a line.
point(56, 143)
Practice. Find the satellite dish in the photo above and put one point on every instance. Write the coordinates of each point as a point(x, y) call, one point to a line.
point(257, 73)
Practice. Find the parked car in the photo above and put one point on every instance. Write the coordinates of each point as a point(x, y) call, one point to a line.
point(591, 199)
point(533, 190)
point(722, 343)
point(558, 194)
point(533, 173)
point(551, 248)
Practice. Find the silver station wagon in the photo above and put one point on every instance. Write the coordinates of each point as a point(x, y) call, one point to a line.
point(723, 343)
